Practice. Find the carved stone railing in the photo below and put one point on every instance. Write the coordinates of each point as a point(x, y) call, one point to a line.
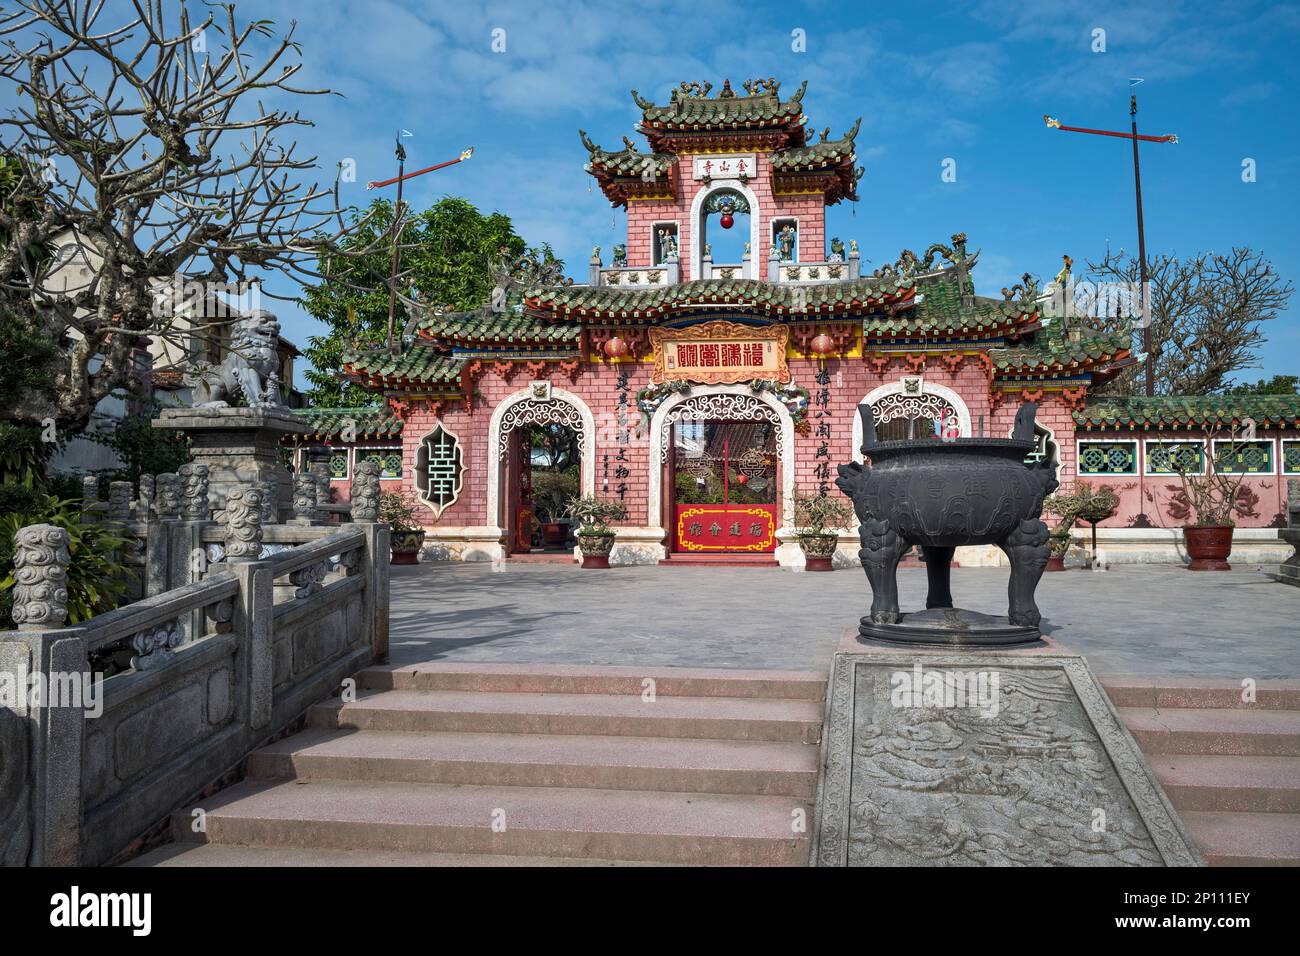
point(638, 277)
point(146, 705)
point(815, 273)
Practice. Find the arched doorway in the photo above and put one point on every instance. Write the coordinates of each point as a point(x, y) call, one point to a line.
point(721, 456)
point(708, 206)
point(515, 422)
point(913, 408)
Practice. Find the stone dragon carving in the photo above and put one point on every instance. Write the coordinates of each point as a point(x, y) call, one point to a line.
point(250, 367)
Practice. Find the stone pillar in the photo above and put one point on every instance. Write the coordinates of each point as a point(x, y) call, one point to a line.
point(773, 265)
point(119, 501)
point(321, 473)
point(593, 271)
point(144, 504)
point(168, 502)
point(855, 262)
point(244, 525)
point(240, 446)
point(304, 498)
point(90, 497)
point(270, 513)
point(365, 491)
point(41, 562)
point(194, 481)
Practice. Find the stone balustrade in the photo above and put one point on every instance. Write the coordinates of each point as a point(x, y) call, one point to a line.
point(244, 625)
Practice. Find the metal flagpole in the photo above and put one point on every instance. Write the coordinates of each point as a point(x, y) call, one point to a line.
point(1054, 123)
point(400, 178)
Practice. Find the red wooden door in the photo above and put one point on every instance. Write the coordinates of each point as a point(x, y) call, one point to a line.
point(724, 487)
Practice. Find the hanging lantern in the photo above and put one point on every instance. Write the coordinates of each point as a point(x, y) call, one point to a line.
point(822, 345)
point(742, 479)
point(615, 347)
point(727, 220)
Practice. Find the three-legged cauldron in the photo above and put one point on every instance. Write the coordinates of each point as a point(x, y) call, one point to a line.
point(939, 494)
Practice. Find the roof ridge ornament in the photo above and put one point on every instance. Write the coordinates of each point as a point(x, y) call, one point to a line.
point(641, 101)
point(762, 87)
point(700, 90)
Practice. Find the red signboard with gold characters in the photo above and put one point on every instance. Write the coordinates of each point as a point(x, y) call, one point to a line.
point(703, 528)
point(720, 353)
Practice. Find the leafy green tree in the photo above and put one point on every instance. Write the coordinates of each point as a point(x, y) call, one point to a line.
point(449, 258)
point(1277, 385)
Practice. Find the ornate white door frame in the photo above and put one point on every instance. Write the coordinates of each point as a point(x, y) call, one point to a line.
point(891, 389)
point(524, 408)
point(719, 402)
point(697, 224)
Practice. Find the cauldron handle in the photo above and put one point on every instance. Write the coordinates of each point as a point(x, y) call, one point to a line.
point(868, 416)
point(1024, 428)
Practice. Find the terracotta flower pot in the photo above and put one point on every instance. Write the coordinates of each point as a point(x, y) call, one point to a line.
point(1208, 546)
point(818, 551)
point(406, 545)
point(554, 533)
point(596, 549)
point(1055, 564)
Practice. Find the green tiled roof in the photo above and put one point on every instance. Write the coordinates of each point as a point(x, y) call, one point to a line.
point(627, 161)
point(1059, 354)
point(940, 310)
point(1189, 411)
point(686, 111)
point(417, 365)
point(501, 329)
point(768, 299)
point(368, 421)
point(817, 156)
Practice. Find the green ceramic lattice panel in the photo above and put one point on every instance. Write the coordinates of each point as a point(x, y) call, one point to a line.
point(389, 459)
point(1170, 458)
point(1291, 457)
point(1107, 457)
point(339, 464)
point(1244, 457)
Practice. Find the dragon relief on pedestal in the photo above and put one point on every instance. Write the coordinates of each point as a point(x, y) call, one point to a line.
point(250, 368)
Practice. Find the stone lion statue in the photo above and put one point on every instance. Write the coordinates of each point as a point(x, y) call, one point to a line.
point(250, 367)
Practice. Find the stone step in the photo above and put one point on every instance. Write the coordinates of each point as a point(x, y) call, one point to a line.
point(723, 718)
point(542, 760)
point(1246, 839)
point(1230, 783)
point(380, 817)
point(578, 679)
point(232, 855)
point(1209, 731)
point(1167, 693)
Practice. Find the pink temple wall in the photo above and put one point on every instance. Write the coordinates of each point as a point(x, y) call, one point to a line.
point(851, 379)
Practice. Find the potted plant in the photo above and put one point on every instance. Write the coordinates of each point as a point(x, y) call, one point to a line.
point(1206, 503)
point(397, 510)
point(817, 520)
point(551, 491)
point(1091, 503)
point(595, 536)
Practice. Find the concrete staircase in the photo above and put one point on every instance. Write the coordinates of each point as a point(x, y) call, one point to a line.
point(1231, 769)
point(496, 764)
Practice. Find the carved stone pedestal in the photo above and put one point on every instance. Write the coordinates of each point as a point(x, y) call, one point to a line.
point(1289, 571)
point(984, 758)
point(240, 446)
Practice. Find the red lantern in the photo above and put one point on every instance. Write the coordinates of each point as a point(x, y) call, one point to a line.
point(727, 221)
point(822, 345)
point(742, 479)
point(615, 347)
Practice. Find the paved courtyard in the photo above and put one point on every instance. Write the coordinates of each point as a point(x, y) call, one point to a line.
point(1150, 620)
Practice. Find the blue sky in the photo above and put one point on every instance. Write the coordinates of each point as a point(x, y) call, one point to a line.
point(967, 81)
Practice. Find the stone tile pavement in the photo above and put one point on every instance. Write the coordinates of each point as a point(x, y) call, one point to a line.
point(1148, 620)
